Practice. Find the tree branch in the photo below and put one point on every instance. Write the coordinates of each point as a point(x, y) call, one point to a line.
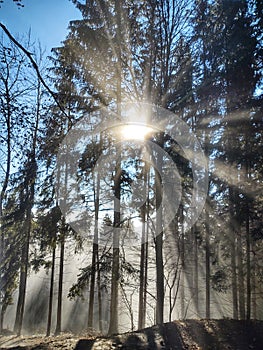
point(34, 64)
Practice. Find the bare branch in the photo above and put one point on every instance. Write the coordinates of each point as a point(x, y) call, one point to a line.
point(35, 66)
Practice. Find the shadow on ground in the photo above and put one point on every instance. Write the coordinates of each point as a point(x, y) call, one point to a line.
point(154, 338)
point(187, 334)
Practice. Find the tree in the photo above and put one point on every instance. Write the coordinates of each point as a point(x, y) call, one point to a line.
point(18, 3)
point(17, 84)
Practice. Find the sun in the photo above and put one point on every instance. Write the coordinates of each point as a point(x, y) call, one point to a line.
point(135, 132)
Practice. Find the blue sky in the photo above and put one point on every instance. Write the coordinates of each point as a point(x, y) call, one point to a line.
point(47, 19)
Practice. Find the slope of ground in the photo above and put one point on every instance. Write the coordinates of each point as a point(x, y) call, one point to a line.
point(178, 335)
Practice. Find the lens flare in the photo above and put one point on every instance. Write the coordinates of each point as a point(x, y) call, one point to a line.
point(135, 132)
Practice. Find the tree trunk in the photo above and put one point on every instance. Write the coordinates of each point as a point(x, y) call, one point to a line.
point(234, 277)
point(2, 315)
point(234, 280)
point(142, 277)
point(182, 253)
point(233, 253)
point(159, 244)
point(2, 196)
point(253, 287)
point(248, 246)
point(113, 328)
point(95, 250)
point(60, 282)
point(99, 293)
point(207, 265)
point(22, 281)
point(196, 272)
point(29, 186)
point(92, 284)
point(50, 303)
point(31, 172)
point(241, 289)
point(141, 315)
point(248, 267)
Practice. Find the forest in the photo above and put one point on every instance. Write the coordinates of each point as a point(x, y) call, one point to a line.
point(131, 167)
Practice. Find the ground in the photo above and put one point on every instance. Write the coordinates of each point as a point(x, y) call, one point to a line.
point(177, 335)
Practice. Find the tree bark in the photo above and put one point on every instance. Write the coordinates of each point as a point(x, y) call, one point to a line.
point(159, 244)
point(233, 254)
point(23, 278)
point(60, 282)
point(95, 250)
point(207, 265)
point(3, 191)
point(196, 271)
point(241, 285)
point(50, 303)
point(113, 329)
point(141, 314)
point(248, 245)
point(182, 253)
point(92, 284)
point(31, 172)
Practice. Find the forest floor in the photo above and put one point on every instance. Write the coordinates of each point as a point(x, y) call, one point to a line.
point(178, 335)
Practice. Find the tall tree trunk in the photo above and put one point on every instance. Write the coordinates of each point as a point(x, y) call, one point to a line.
point(196, 271)
point(113, 328)
point(241, 286)
point(92, 284)
point(233, 254)
point(95, 251)
point(29, 184)
point(99, 293)
point(159, 243)
point(31, 172)
point(182, 253)
point(253, 287)
point(146, 259)
point(145, 277)
point(248, 242)
point(207, 264)
point(142, 277)
point(141, 317)
point(116, 256)
point(61, 273)
point(2, 196)
point(248, 267)
point(51, 288)
point(234, 278)
point(23, 278)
